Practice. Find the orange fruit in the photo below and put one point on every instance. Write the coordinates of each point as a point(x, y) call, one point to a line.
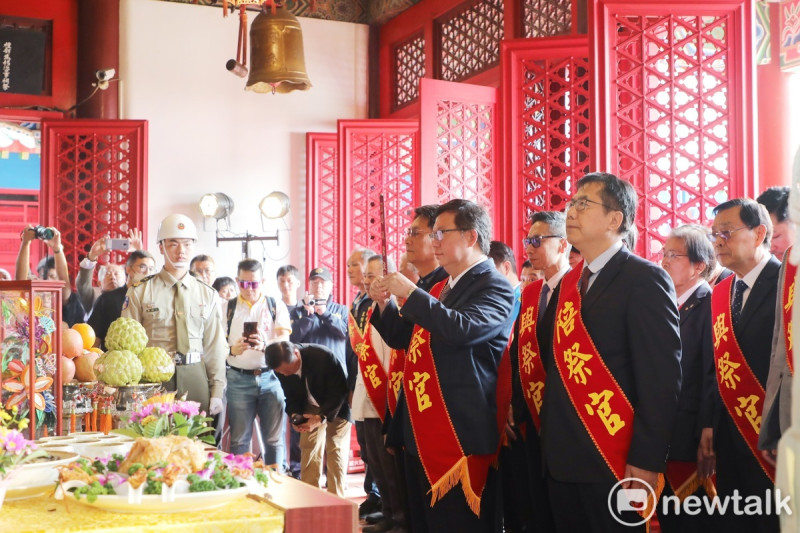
point(71, 343)
point(87, 334)
point(96, 350)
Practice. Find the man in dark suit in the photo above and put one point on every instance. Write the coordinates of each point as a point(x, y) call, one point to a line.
point(741, 233)
point(688, 258)
point(451, 375)
point(315, 386)
point(630, 316)
point(397, 331)
point(548, 251)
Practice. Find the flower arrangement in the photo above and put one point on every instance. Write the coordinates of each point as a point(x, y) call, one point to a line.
point(15, 449)
point(162, 415)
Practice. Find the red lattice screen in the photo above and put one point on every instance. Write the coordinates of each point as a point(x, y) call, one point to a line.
point(323, 210)
point(674, 95)
point(460, 154)
point(409, 67)
point(94, 181)
point(378, 156)
point(546, 18)
point(546, 108)
point(469, 39)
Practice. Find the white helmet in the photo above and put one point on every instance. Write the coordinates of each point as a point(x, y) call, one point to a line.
point(176, 227)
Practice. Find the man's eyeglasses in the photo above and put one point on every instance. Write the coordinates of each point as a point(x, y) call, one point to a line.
point(536, 240)
point(581, 204)
point(725, 234)
point(207, 271)
point(438, 235)
point(414, 232)
point(249, 284)
point(669, 256)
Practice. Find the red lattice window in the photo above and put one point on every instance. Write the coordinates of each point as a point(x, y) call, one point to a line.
point(323, 209)
point(378, 156)
point(547, 123)
point(546, 18)
point(674, 88)
point(460, 155)
point(469, 40)
point(409, 67)
point(95, 181)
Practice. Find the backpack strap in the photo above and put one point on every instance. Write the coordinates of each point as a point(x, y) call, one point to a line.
point(272, 308)
point(230, 311)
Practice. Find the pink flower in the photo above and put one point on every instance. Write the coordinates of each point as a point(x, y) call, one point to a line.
point(13, 442)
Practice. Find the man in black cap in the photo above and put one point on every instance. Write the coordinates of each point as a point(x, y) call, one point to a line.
point(325, 323)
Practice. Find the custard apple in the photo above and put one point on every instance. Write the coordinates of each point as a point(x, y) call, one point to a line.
point(118, 367)
point(158, 365)
point(126, 334)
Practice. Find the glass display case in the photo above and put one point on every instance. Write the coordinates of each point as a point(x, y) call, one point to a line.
point(30, 369)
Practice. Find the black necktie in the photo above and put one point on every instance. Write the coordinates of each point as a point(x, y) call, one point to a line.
point(543, 302)
point(585, 275)
point(738, 300)
point(445, 291)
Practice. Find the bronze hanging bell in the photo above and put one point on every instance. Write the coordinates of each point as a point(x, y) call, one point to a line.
point(277, 63)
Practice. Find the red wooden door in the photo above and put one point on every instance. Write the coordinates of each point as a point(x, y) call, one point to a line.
point(323, 209)
point(546, 125)
point(674, 100)
point(94, 181)
point(377, 156)
point(459, 148)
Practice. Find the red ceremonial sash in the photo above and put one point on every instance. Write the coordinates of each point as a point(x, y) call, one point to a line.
point(599, 401)
point(396, 364)
point(787, 299)
point(682, 477)
point(739, 388)
point(438, 445)
point(596, 396)
point(372, 371)
point(531, 367)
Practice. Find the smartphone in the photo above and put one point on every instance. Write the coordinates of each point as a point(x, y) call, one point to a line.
point(118, 244)
point(250, 328)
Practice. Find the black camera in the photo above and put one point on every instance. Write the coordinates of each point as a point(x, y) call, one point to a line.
point(298, 419)
point(43, 233)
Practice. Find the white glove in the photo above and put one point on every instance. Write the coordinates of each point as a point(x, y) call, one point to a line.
point(215, 407)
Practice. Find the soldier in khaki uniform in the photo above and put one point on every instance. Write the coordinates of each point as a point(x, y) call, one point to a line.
point(179, 313)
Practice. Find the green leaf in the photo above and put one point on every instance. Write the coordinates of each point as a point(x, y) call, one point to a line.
point(149, 430)
point(128, 431)
point(162, 425)
point(180, 420)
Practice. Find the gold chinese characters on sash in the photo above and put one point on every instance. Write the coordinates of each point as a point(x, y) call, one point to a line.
point(439, 448)
point(372, 371)
point(742, 394)
point(531, 367)
point(787, 299)
point(598, 400)
point(396, 364)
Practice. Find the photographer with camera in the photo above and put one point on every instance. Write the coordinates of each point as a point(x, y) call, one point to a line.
point(315, 386)
point(50, 268)
point(325, 321)
point(111, 275)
